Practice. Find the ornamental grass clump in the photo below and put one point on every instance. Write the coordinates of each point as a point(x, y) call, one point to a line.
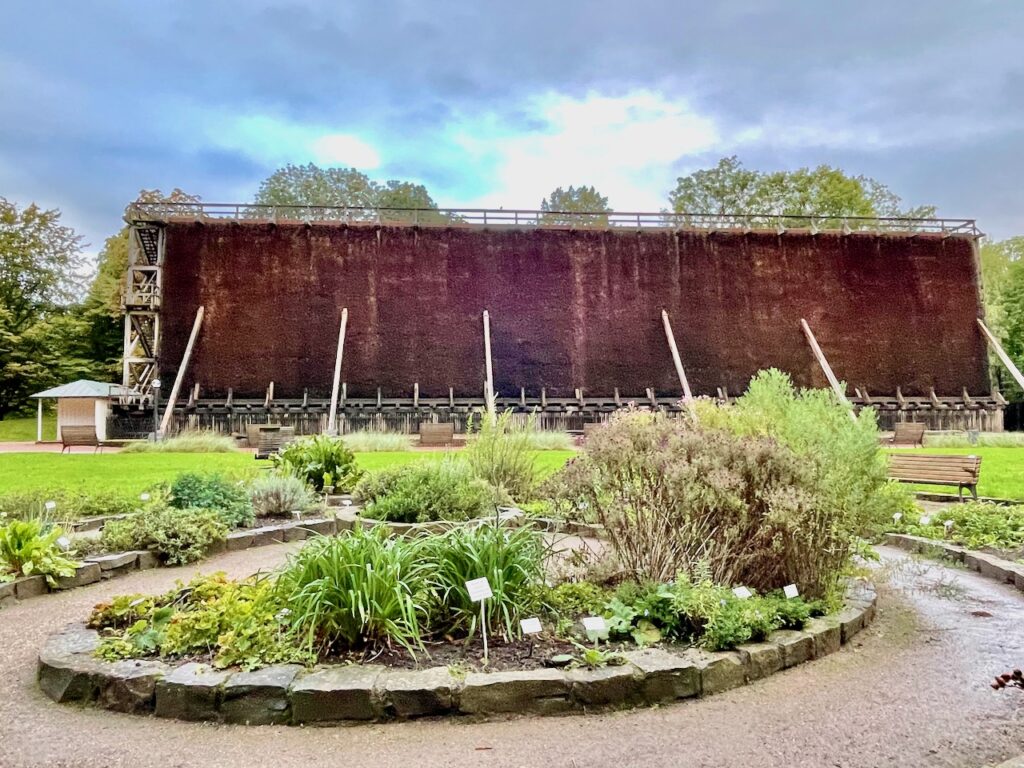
point(230, 499)
point(279, 495)
point(188, 441)
point(501, 453)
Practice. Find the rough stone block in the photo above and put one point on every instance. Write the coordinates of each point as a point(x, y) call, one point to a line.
point(190, 692)
point(295, 532)
point(86, 573)
point(146, 559)
point(827, 634)
point(994, 567)
point(346, 519)
point(67, 670)
point(1018, 578)
point(30, 586)
point(7, 593)
point(541, 691)
point(720, 671)
point(323, 525)
point(851, 621)
point(607, 685)
point(260, 697)
point(666, 676)
point(268, 534)
point(419, 692)
point(116, 561)
point(239, 540)
point(130, 686)
point(796, 647)
point(762, 659)
point(336, 693)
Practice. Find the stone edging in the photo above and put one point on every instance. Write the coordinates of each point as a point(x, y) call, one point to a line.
point(288, 694)
point(985, 563)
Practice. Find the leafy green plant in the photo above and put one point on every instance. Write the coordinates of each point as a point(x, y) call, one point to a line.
point(596, 658)
point(177, 536)
point(279, 495)
point(313, 458)
point(193, 490)
point(512, 560)
point(426, 491)
point(31, 548)
point(500, 453)
point(974, 525)
point(358, 589)
point(188, 441)
point(70, 504)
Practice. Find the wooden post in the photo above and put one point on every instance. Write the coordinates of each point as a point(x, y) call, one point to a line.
point(687, 394)
point(332, 419)
point(169, 407)
point(451, 398)
point(825, 366)
point(229, 403)
point(1001, 354)
point(380, 400)
point(618, 399)
point(522, 396)
point(489, 385)
point(270, 396)
point(416, 395)
point(305, 398)
point(39, 420)
point(344, 393)
point(543, 397)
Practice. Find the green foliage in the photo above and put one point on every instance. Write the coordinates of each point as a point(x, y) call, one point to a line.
point(550, 440)
point(500, 453)
point(596, 658)
point(279, 495)
point(729, 188)
point(573, 599)
point(318, 457)
point(425, 491)
point(189, 441)
point(561, 204)
point(192, 490)
point(366, 441)
point(983, 440)
point(975, 525)
point(71, 504)
point(31, 548)
point(354, 590)
point(178, 536)
point(511, 560)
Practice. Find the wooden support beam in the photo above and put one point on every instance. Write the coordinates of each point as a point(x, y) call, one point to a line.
point(900, 398)
point(651, 396)
point(618, 400)
point(1001, 354)
point(543, 397)
point(489, 384)
point(820, 356)
point(180, 377)
point(579, 396)
point(344, 393)
point(967, 398)
point(416, 395)
point(270, 395)
point(998, 397)
point(866, 395)
point(451, 397)
point(687, 394)
point(305, 398)
point(39, 420)
point(332, 418)
point(522, 397)
point(936, 403)
point(380, 400)
point(229, 403)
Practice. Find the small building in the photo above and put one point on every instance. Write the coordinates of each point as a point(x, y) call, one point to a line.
point(81, 403)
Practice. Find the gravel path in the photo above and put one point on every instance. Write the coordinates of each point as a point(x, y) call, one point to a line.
point(912, 691)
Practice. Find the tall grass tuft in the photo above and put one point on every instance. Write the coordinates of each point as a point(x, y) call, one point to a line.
point(984, 440)
point(550, 440)
point(501, 454)
point(189, 441)
point(366, 441)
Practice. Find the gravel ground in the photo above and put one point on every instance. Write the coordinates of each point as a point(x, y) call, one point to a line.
point(912, 691)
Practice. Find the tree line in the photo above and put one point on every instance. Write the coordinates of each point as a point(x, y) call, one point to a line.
point(60, 321)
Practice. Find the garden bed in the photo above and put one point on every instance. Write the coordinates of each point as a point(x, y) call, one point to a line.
point(326, 694)
point(998, 565)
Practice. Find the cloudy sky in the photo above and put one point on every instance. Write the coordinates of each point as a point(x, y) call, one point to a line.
point(498, 103)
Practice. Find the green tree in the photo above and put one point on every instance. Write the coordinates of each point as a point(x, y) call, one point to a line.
point(729, 188)
point(560, 206)
point(310, 185)
point(1002, 274)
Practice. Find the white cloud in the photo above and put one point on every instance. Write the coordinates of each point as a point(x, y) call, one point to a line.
point(624, 145)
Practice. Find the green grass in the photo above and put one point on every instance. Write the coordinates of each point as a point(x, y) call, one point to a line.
point(139, 471)
point(1002, 470)
point(22, 429)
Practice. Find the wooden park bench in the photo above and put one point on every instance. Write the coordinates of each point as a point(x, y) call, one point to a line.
point(85, 436)
point(436, 434)
point(272, 439)
point(922, 469)
point(908, 433)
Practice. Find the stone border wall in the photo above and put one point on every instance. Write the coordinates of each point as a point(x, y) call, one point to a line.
point(987, 564)
point(289, 694)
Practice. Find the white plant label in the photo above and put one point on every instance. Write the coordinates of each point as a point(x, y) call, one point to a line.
point(790, 591)
point(530, 626)
point(64, 543)
point(479, 589)
point(595, 625)
point(50, 505)
point(948, 524)
point(742, 593)
point(926, 520)
point(897, 517)
point(144, 496)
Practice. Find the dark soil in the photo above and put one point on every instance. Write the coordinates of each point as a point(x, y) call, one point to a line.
point(501, 656)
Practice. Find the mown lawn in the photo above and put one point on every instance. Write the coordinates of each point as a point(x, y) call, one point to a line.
point(23, 429)
point(139, 471)
point(1002, 471)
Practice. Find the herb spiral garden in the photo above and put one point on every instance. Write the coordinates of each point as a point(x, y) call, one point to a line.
point(731, 545)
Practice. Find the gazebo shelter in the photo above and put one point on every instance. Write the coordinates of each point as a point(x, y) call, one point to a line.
point(81, 403)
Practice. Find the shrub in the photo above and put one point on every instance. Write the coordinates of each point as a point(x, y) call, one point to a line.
point(976, 524)
point(71, 504)
point(573, 599)
point(279, 495)
point(31, 548)
point(425, 491)
point(188, 441)
point(500, 453)
point(366, 441)
point(177, 536)
point(191, 490)
point(319, 460)
point(511, 560)
point(355, 590)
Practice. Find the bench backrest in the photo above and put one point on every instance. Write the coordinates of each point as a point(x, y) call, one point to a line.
point(437, 434)
point(936, 469)
point(272, 439)
point(908, 433)
point(79, 436)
